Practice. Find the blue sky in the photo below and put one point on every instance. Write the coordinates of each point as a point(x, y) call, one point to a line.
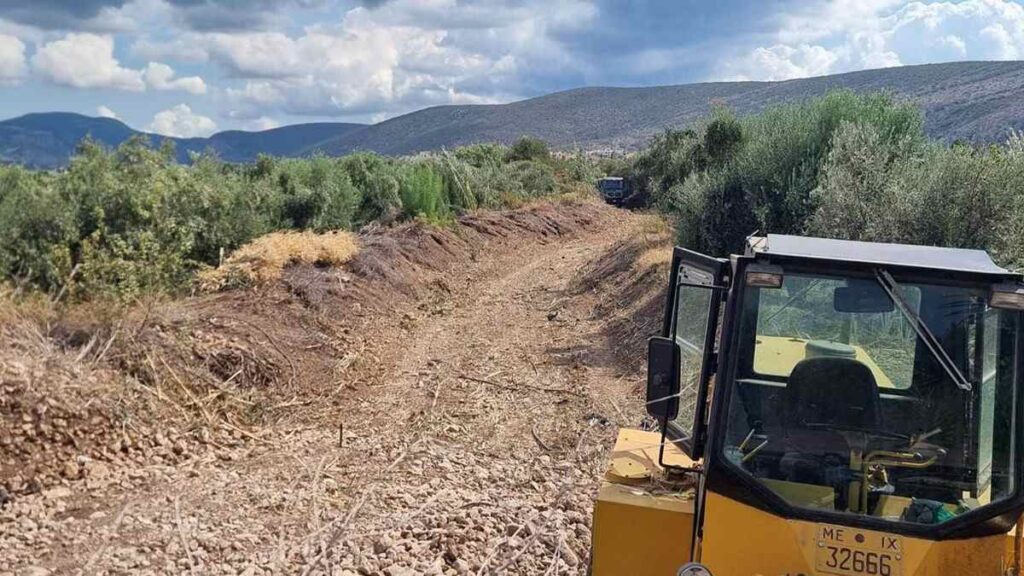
point(192, 67)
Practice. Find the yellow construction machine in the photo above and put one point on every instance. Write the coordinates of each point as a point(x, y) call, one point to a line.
point(826, 407)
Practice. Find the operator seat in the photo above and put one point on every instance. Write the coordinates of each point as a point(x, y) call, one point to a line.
point(836, 394)
point(840, 392)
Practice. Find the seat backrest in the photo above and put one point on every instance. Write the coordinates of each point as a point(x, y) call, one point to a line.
point(827, 390)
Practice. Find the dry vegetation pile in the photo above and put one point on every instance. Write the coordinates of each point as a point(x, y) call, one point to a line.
point(263, 259)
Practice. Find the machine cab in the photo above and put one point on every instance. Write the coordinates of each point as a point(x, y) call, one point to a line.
point(852, 408)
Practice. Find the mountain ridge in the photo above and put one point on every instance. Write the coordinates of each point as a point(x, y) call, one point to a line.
point(976, 101)
point(48, 139)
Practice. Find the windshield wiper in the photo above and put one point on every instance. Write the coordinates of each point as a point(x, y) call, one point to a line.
point(891, 288)
point(793, 298)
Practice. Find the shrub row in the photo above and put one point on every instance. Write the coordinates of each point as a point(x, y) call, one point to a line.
point(132, 221)
point(843, 165)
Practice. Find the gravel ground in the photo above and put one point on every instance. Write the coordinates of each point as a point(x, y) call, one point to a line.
point(475, 447)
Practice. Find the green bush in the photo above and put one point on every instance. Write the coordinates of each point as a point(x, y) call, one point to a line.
point(423, 192)
point(878, 190)
point(841, 166)
point(527, 148)
point(37, 228)
point(494, 185)
point(535, 178)
point(317, 194)
point(132, 221)
point(376, 179)
point(482, 155)
point(762, 169)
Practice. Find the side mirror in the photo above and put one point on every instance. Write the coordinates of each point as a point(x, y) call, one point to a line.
point(663, 378)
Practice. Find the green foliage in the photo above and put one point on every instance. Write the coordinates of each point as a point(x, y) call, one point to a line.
point(723, 136)
point(784, 147)
point(36, 231)
point(131, 221)
point(527, 148)
point(482, 155)
point(423, 192)
point(317, 194)
point(535, 178)
point(898, 191)
point(842, 166)
point(759, 172)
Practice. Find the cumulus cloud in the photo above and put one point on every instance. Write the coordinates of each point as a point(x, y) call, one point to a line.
point(881, 33)
point(83, 60)
point(373, 59)
point(181, 122)
point(396, 57)
point(234, 14)
point(12, 60)
point(262, 123)
point(104, 112)
point(781, 62)
point(160, 76)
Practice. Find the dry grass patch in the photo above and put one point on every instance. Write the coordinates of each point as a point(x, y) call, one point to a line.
point(263, 259)
point(654, 258)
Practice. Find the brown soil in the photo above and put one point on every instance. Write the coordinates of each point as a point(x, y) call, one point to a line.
point(442, 404)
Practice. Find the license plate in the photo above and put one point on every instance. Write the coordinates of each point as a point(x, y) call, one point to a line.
point(846, 551)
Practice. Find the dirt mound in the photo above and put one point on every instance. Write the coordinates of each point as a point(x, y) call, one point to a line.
point(632, 277)
point(59, 413)
point(218, 366)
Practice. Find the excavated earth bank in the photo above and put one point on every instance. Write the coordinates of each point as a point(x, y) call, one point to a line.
point(441, 404)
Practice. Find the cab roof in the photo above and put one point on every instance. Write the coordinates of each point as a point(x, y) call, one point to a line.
point(928, 257)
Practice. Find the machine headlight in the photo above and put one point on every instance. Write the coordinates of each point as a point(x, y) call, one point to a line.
point(1010, 296)
point(694, 569)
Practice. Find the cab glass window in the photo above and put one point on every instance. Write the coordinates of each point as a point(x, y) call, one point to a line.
point(840, 406)
point(693, 305)
point(799, 319)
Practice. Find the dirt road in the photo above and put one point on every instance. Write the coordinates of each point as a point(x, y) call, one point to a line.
point(471, 445)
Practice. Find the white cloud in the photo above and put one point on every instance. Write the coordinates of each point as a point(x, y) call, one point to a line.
point(879, 33)
point(85, 61)
point(401, 55)
point(181, 122)
point(1006, 47)
point(12, 60)
point(104, 112)
point(781, 62)
point(262, 123)
point(160, 76)
point(955, 42)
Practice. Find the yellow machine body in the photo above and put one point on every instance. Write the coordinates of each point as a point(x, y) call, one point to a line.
point(643, 526)
point(743, 541)
point(826, 408)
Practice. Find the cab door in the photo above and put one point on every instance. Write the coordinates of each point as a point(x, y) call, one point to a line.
point(682, 360)
point(691, 324)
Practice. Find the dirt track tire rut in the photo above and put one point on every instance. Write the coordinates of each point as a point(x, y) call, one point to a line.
point(475, 448)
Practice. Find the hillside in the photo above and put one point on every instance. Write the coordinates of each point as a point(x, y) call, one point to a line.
point(47, 140)
point(975, 101)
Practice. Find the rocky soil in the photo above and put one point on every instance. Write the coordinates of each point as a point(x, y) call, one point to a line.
point(447, 414)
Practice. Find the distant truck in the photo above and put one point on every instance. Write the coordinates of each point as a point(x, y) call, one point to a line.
point(613, 189)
